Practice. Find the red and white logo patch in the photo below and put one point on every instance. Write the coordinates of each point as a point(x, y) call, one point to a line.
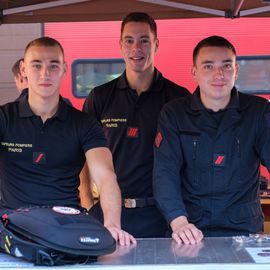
point(158, 139)
point(219, 160)
point(132, 132)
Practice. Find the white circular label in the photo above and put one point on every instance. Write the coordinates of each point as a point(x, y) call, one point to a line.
point(66, 210)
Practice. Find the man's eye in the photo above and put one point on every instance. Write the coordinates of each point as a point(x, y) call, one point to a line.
point(128, 41)
point(208, 67)
point(144, 40)
point(228, 66)
point(53, 67)
point(36, 66)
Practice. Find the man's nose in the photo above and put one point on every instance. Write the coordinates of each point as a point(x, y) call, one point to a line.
point(219, 72)
point(45, 72)
point(136, 45)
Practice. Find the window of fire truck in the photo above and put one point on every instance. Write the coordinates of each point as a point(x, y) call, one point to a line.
point(89, 73)
point(254, 75)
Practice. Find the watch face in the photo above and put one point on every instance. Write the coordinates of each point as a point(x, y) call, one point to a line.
point(66, 210)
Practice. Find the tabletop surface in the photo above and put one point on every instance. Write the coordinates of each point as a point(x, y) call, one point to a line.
point(247, 253)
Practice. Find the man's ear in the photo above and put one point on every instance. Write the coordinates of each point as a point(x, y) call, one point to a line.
point(157, 45)
point(193, 73)
point(237, 68)
point(21, 78)
point(120, 44)
point(22, 68)
point(65, 68)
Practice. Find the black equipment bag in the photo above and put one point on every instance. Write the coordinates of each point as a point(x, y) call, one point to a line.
point(54, 235)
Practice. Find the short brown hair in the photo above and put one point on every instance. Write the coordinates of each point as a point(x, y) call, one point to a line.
point(44, 42)
point(16, 67)
point(140, 17)
point(212, 41)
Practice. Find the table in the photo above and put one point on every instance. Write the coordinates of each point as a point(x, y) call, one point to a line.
point(212, 253)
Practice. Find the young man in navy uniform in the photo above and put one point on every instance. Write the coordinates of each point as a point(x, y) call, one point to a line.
point(45, 142)
point(128, 109)
point(21, 81)
point(208, 151)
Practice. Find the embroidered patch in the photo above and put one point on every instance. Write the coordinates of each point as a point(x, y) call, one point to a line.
point(158, 139)
point(219, 160)
point(132, 132)
point(39, 158)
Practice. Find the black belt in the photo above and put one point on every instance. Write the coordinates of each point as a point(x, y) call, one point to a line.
point(138, 202)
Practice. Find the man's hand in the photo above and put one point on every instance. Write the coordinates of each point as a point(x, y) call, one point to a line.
point(185, 232)
point(120, 236)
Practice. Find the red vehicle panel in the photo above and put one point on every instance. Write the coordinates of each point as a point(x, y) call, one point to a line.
point(99, 40)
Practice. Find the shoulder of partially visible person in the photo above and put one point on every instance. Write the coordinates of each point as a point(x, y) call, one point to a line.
point(98, 96)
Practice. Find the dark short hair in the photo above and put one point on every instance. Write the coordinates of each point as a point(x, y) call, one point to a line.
point(16, 67)
point(212, 41)
point(44, 42)
point(140, 17)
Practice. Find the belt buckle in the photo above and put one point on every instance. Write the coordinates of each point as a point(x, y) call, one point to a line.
point(130, 203)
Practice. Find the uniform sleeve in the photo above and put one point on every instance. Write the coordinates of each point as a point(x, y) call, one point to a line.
point(91, 134)
point(168, 161)
point(263, 141)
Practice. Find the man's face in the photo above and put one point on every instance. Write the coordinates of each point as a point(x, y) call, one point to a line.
point(138, 45)
point(44, 68)
point(215, 71)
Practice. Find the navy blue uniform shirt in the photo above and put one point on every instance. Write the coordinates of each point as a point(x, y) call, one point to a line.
point(40, 162)
point(130, 122)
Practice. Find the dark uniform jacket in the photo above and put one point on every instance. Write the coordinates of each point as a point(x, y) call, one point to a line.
point(207, 165)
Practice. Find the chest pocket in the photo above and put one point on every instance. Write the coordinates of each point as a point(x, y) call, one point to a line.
point(244, 163)
point(193, 165)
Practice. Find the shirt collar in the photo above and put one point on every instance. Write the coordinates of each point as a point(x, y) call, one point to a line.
point(196, 103)
point(25, 110)
point(155, 86)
